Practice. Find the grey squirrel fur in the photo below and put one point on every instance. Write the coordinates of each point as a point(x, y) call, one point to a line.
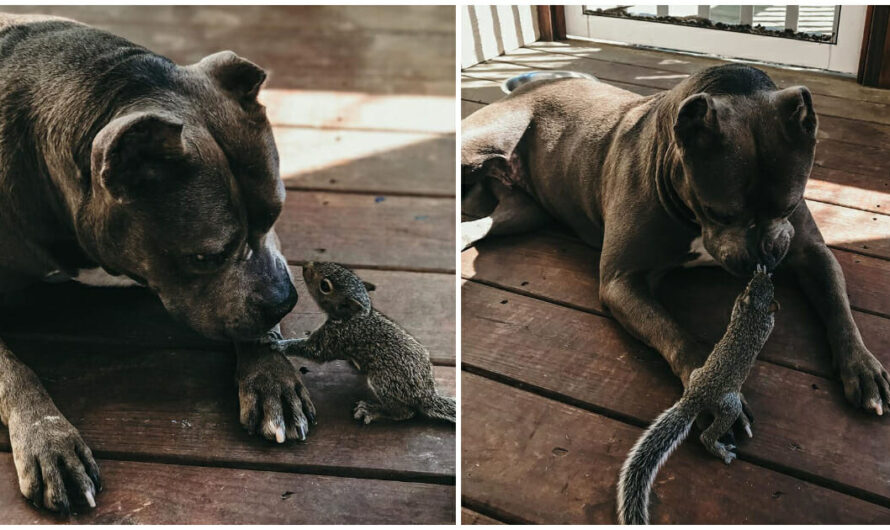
point(714, 387)
point(398, 368)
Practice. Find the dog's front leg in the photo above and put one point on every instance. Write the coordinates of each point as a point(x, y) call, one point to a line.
point(55, 467)
point(632, 303)
point(866, 382)
point(271, 394)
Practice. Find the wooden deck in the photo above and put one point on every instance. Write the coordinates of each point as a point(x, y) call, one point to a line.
point(554, 392)
point(362, 101)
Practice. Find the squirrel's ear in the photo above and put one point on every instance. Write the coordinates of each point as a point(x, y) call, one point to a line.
point(774, 306)
point(369, 286)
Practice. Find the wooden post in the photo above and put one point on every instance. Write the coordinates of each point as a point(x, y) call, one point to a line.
point(874, 59)
point(545, 23)
point(552, 22)
point(558, 18)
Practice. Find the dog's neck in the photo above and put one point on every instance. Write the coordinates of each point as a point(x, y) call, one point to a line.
point(668, 171)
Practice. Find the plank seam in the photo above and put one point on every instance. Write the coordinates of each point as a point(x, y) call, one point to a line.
point(418, 477)
point(368, 191)
point(743, 454)
point(492, 512)
point(569, 305)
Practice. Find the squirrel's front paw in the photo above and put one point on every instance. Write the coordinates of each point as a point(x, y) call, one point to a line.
point(272, 398)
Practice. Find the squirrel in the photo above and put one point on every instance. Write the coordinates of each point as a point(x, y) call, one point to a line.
point(397, 366)
point(715, 387)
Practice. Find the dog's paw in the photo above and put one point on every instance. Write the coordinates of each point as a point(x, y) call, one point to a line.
point(273, 399)
point(866, 382)
point(56, 469)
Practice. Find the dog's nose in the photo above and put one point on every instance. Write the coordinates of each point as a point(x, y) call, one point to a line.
point(277, 310)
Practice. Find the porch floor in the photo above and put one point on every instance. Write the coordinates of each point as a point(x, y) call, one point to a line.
point(370, 183)
point(555, 393)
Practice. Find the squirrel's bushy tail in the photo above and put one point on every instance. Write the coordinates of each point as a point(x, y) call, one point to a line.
point(440, 408)
point(647, 456)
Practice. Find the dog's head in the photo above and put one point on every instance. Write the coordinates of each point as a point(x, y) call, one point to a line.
point(746, 160)
point(185, 190)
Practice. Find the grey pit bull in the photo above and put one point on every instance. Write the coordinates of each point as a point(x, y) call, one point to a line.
point(119, 167)
point(710, 172)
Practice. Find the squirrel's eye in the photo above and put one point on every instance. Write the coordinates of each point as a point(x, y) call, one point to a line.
point(326, 287)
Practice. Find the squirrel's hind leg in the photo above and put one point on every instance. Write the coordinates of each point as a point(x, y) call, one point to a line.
point(724, 418)
point(367, 412)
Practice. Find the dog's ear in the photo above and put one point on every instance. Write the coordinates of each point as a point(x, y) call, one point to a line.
point(235, 75)
point(696, 124)
point(795, 106)
point(369, 286)
point(133, 150)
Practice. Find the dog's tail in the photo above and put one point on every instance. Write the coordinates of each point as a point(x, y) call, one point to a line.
point(440, 408)
point(646, 458)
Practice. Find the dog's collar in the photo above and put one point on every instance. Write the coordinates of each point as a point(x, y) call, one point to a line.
point(668, 197)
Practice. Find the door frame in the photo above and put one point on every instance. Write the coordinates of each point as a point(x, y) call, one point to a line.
point(842, 56)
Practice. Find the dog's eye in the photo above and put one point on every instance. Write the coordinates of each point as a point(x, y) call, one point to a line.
point(721, 218)
point(326, 287)
point(206, 262)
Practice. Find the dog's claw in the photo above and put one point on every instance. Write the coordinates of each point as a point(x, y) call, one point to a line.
point(90, 500)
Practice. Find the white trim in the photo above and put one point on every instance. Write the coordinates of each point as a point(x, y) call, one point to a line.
point(840, 57)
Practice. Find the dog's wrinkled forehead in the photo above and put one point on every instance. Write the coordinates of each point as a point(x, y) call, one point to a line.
point(737, 147)
point(227, 90)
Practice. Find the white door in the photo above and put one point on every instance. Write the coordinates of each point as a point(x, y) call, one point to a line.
point(845, 24)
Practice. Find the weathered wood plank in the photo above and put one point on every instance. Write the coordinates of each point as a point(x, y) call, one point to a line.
point(150, 493)
point(866, 233)
point(410, 19)
point(871, 111)
point(181, 407)
point(590, 359)
point(312, 58)
point(542, 461)
point(77, 313)
point(468, 107)
point(340, 110)
point(367, 161)
point(864, 192)
point(366, 230)
point(821, 83)
point(468, 516)
point(564, 270)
